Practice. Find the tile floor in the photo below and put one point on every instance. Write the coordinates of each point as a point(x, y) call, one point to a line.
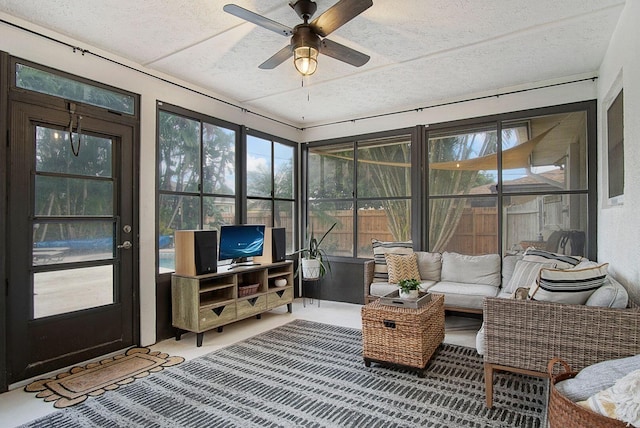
point(18, 407)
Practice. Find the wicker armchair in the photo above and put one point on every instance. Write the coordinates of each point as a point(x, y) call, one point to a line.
point(522, 336)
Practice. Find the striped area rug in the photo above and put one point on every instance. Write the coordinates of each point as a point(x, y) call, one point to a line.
point(307, 374)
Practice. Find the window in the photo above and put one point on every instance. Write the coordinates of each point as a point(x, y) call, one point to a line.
point(365, 187)
point(196, 177)
point(615, 146)
point(45, 82)
point(510, 185)
point(270, 181)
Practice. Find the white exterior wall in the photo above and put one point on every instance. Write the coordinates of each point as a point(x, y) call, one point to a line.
point(619, 225)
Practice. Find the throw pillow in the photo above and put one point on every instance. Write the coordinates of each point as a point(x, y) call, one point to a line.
point(572, 286)
point(508, 266)
point(562, 261)
point(521, 293)
point(483, 269)
point(597, 377)
point(525, 274)
point(380, 248)
point(402, 266)
point(611, 295)
point(429, 265)
point(619, 401)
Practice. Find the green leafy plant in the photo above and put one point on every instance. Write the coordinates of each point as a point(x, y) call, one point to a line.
point(407, 285)
point(313, 251)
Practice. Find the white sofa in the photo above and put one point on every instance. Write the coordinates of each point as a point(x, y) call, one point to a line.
point(463, 280)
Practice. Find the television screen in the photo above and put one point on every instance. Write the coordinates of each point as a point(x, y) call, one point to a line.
point(238, 242)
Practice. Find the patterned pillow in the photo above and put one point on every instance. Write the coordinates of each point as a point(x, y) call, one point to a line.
point(525, 274)
point(573, 286)
point(402, 266)
point(381, 248)
point(562, 261)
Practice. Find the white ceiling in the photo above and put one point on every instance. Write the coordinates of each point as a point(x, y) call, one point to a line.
point(422, 51)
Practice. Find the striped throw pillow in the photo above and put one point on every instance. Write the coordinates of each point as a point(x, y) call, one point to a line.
point(525, 274)
point(572, 286)
point(402, 266)
point(562, 261)
point(380, 248)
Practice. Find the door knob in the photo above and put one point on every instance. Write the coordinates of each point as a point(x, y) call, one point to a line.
point(125, 245)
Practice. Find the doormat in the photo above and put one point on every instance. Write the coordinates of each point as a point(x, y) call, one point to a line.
point(73, 387)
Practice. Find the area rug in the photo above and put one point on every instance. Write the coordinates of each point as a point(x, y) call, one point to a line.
point(73, 387)
point(307, 374)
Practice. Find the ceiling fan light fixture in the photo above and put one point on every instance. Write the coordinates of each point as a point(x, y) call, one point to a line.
point(305, 59)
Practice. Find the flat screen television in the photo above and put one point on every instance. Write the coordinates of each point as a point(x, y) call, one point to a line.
point(238, 242)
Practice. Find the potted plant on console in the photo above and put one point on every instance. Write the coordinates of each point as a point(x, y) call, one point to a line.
point(409, 288)
point(315, 263)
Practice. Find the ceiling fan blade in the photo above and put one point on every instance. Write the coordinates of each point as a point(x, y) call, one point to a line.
point(281, 56)
point(343, 53)
point(338, 15)
point(260, 20)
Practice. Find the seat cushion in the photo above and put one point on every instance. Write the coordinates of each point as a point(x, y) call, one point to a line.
point(462, 268)
point(464, 295)
point(381, 289)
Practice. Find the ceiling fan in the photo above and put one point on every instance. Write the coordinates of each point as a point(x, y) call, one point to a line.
point(309, 38)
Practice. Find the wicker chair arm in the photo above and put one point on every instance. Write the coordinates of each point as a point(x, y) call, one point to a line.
point(527, 334)
point(368, 277)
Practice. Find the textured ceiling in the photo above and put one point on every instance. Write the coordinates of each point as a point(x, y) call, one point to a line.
point(422, 51)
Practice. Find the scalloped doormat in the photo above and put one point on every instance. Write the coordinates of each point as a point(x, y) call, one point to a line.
point(74, 386)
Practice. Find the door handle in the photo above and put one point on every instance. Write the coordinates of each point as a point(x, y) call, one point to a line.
point(126, 245)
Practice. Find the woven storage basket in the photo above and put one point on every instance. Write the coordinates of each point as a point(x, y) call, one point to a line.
point(246, 290)
point(564, 413)
point(403, 336)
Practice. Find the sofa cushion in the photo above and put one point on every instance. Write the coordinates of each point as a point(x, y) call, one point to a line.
point(572, 286)
point(611, 295)
point(508, 266)
point(429, 265)
point(381, 289)
point(464, 295)
point(525, 274)
point(562, 261)
point(483, 269)
point(402, 266)
point(597, 377)
point(380, 248)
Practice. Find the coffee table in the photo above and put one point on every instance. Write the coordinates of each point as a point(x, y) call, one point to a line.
point(400, 335)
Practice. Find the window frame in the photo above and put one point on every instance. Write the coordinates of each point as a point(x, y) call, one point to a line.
point(412, 135)
point(202, 118)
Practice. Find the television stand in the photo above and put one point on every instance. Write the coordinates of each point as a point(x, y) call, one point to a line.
point(200, 303)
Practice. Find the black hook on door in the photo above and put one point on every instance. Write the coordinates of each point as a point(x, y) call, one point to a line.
point(72, 113)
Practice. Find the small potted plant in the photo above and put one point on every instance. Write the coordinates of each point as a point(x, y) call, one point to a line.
point(314, 261)
point(409, 288)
